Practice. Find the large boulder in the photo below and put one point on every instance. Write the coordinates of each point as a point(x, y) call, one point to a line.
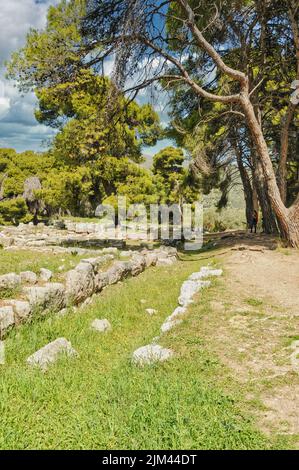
point(22, 309)
point(50, 297)
point(150, 354)
point(99, 262)
point(118, 271)
point(7, 319)
point(188, 290)
point(101, 281)
point(101, 325)
point(138, 264)
point(45, 275)
point(163, 261)
point(80, 283)
point(28, 277)
point(169, 324)
point(10, 281)
point(151, 259)
point(51, 352)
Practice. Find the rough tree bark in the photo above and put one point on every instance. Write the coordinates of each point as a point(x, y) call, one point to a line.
point(288, 219)
point(247, 187)
point(269, 221)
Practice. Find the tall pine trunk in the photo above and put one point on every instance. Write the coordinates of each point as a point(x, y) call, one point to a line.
point(288, 219)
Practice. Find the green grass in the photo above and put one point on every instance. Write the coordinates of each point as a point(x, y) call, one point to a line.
point(101, 401)
point(254, 302)
point(27, 260)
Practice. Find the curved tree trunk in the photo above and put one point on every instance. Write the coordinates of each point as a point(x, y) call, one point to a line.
point(269, 221)
point(288, 219)
point(248, 191)
point(284, 149)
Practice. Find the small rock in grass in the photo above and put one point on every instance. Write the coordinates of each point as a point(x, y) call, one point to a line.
point(28, 277)
point(151, 311)
point(45, 274)
point(168, 325)
point(86, 303)
point(21, 308)
point(51, 352)
point(62, 313)
point(101, 325)
point(6, 319)
point(10, 281)
point(143, 301)
point(177, 312)
point(150, 354)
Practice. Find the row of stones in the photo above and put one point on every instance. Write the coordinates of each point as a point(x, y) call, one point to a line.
point(153, 352)
point(144, 355)
point(80, 284)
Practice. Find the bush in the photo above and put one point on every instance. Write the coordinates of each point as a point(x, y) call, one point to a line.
point(226, 219)
point(14, 211)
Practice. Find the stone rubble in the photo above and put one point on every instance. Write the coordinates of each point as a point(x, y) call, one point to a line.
point(7, 319)
point(154, 352)
point(101, 325)
point(28, 277)
point(151, 311)
point(150, 354)
point(50, 353)
point(45, 275)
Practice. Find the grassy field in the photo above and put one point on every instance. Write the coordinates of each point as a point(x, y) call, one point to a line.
point(101, 401)
point(29, 260)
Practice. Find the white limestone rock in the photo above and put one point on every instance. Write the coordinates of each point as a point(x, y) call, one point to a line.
point(21, 309)
point(169, 325)
point(166, 261)
point(28, 277)
point(50, 353)
point(10, 281)
point(138, 264)
point(7, 319)
point(101, 325)
point(80, 283)
point(189, 289)
point(150, 354)
point(118, 271)
point(45, 298)
point(45, 275)
point(176, 313)
point(151, 311)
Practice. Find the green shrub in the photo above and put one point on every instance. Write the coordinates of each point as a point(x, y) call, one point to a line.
point(14, 211)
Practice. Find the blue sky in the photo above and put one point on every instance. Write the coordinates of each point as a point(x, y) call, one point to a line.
point(18, 127)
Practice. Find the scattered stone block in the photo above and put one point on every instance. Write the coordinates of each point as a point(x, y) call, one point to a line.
point(50, 353)
point(101, 325)
point(7, 319)
point(21, 309)
point(151, 311)
point(45, 275)
point(28, 277)
point(176, 313)
point(80, 283)
point(169, 325)
point(150, 354)
point(10, 281)
point(44, 298)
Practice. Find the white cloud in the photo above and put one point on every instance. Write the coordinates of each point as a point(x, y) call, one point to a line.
point(17, 119)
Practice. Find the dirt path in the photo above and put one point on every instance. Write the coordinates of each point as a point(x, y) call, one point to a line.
point(253, 327)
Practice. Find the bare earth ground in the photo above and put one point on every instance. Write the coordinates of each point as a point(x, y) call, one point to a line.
point(253, 328)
